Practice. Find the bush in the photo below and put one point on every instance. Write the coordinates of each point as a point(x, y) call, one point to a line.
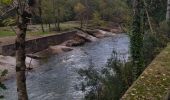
point(109, 83)
point(152, 45)
point(164, 28)
point(2, 86)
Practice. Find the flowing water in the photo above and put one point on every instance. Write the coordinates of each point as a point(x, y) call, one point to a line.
point(57, 76)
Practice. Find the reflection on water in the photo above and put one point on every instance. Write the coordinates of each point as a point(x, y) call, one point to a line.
point(56, 78)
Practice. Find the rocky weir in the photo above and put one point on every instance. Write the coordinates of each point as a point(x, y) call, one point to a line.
point(56, 77)
point(43, 47)
point(69, 39)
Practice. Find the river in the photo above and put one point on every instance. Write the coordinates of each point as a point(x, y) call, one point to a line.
point(57, 76)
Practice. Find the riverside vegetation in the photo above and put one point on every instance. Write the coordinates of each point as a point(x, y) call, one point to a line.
point(148, 30)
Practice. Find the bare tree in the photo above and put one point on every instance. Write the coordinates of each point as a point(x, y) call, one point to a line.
point(23, 11)
point(40, 14)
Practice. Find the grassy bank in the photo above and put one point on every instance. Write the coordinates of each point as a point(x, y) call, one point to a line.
point(154, 83)
point(36, 29)
point(6, 33)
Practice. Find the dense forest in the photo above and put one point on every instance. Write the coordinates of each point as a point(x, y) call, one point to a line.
point(145, 22)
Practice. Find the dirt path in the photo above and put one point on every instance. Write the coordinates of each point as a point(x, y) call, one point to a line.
point(11, 39)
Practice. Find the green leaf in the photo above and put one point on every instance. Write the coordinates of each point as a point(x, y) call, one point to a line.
point(6, 1)
point(8, 21)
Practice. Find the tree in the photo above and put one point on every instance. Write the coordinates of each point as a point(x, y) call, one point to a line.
point(168, 15)
point(137, 40)
point(59, 12)
point(80, 9)
point(24, 15)
point(47, 12)
point(97, 20)
point(168, 12)
point(24, 11)
point(40, 14)
point(2, 86)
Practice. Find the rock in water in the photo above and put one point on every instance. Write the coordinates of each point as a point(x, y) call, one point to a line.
point(77, 41)
point(59, 49)
point(86, 36)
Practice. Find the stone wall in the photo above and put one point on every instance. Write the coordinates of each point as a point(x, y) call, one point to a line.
point(38, 44)
point(154, 82)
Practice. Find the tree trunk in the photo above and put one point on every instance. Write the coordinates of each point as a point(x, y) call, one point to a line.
point(81, 22)
point(20, 60)
point(55, 24)
point(168, 12)
point(137, 40)
point(42, 27)
point(168, 16)
point(40, 13)
point(58, 19)
point(87, 12)
point(58, 24)
point(49, 26)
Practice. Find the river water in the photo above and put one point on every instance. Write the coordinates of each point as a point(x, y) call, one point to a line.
point(57, 76)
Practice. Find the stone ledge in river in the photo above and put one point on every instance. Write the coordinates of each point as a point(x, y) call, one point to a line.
point(59, 49)
point(102, 33)
point(52, 50)
point(87, 36)
point(77, 41)
point(112, 29)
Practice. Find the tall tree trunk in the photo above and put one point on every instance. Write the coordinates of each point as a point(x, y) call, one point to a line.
point(55, 24)
point(20, 60)
point(81, 22)
point(40, 13)
point(168, 12)
point(168, 16)
point(87, 12)
point(58, 25)
point(58, 19)
point(54, 14)
point(137, 41)
point(49, 26)
point(42, 27)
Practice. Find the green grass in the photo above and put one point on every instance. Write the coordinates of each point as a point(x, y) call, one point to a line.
point(154, 83)
point(38, 33)
point(6, 33)
point(68, 26)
